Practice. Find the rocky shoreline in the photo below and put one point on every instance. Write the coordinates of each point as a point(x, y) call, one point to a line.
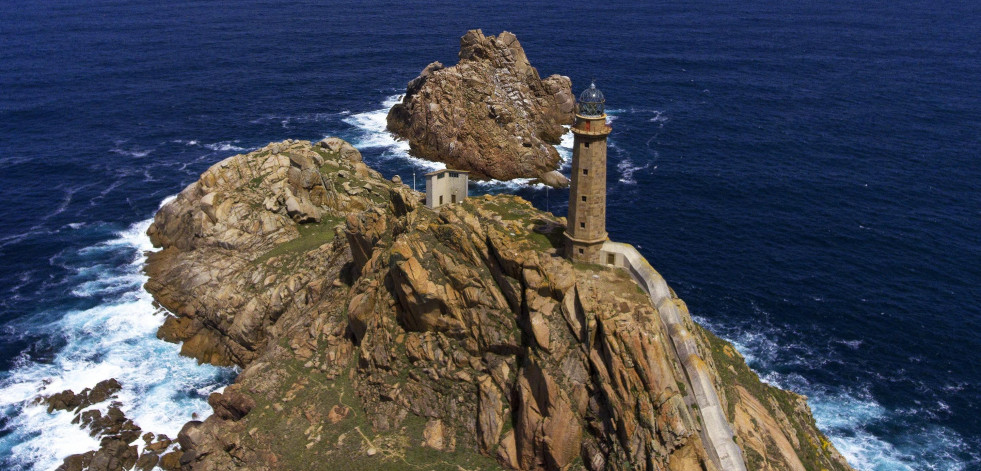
point(119, 446)
point(375, 333)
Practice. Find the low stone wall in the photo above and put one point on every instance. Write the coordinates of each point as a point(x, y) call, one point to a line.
point(716, 432)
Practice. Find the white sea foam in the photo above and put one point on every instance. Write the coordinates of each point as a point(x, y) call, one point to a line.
point(850, 417)
point(565, 149)
point(116, 339)
point(287, 121)
point(132, 152)
point(225, 146)
point(508, 185)
point(373, 133)
point(121, 148)
point(221, 146)
point(65, 201)
point(659, 118)
point(627, 169)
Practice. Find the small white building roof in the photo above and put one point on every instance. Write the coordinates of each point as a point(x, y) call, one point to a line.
point(446, 170)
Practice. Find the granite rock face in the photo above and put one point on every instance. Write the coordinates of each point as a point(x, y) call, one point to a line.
point(215, 231)
point(491, 114)
point(380, 334)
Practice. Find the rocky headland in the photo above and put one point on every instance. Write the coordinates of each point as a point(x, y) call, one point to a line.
point(491, 113)
point(375, 333)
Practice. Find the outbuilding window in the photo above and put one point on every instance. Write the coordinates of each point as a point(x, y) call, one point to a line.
point(585, 171)
point(583, 199)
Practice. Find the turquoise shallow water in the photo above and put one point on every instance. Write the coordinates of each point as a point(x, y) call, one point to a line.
point(805, 175)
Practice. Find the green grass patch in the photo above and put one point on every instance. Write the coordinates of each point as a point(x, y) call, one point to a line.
point(311, 236)
point(295, 426)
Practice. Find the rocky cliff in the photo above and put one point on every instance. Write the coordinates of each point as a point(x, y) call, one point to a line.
point(374, 333)
point(490, 114)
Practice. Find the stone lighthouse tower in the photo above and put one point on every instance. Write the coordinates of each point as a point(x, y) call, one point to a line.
point(586, 231)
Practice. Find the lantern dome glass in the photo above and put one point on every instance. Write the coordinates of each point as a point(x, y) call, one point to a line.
point(591, 101)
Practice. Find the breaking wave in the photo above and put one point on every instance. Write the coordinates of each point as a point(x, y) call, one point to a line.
point(372, 133)
point(850, 416)
point(114, 339)
point(627, 169)
point(222, 146)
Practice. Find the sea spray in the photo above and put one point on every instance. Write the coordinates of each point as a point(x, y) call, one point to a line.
point(850, 417)
point(115, 339)
point(373, 133)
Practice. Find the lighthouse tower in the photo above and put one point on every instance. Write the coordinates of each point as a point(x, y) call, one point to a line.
point(586, 231)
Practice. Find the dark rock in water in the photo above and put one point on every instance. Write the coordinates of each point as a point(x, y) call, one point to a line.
point(147, 461)
point(114, 455)
point(77, 462)
point(116, 431)
point(104, 390)
point(170, 461)
point(65, 400)
point(490, 114)
point(160, 445)
point(68, 400)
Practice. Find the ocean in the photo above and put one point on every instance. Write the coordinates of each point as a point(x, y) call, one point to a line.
point(804, 174)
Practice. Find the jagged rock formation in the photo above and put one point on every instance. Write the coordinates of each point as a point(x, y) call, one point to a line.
point(490, 114)
point(118, 434)
point(375, 333)
point(220, 232)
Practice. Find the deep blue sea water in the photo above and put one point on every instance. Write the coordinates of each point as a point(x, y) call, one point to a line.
point(805, 175)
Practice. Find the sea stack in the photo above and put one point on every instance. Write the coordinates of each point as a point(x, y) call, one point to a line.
point(490, 114)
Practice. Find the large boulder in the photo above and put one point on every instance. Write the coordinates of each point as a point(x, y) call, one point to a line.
point(491, 114)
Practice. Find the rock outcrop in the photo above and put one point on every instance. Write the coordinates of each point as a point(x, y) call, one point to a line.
point(118, 435)
point(490, 114)
point(228, 267)
point(376, 333)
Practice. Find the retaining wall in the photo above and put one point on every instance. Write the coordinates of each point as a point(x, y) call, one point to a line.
point(716, 432)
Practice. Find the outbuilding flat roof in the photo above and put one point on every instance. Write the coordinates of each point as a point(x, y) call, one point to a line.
point(447, 170)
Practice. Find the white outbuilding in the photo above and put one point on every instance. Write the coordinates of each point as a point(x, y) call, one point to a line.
point(446, 187)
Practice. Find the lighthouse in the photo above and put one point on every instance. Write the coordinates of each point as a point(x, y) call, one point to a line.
point(586, 229)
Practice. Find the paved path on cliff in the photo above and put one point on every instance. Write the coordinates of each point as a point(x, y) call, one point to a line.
point(716, 432)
